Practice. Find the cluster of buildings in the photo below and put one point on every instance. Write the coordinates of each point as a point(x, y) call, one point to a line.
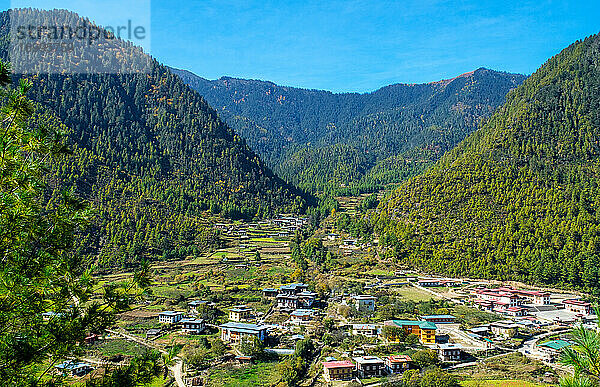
point(509, 301)
point(189, 325)
point(287, 225)
point(292, 296)
point(517, 303)
point(436, 282)
point(365, 367)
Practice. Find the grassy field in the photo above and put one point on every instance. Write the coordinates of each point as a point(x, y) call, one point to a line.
point(261, 374)
point(500, 383)
point(414, 294)
point(512, 368)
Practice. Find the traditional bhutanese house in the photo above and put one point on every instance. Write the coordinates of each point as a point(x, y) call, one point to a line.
point(449, 352)
point(270, 292)
point(397, 363)
point(302, 300)
point(498, 297)
point(424, 330)
point(439, 318)
point(369, 330)
point(515, 311)
point(287, 301)
point(504, 328)
point(428, 282)
point(239, 313)
point(235, 331)
point(293, 289)
point(193, 325)
point(338, 370)
point(301, 316)
point(73, 368)
point(306, 299)
point(578, 306)
point(483, 330)
point(169, 317)
point(554, 347)
point(365, 303)
point(369, 366)
point(533, 296)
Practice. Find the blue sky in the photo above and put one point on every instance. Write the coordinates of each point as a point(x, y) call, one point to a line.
point(349, 45)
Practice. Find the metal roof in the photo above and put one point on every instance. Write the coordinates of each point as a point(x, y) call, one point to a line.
point(556, 344)
point(420, 324)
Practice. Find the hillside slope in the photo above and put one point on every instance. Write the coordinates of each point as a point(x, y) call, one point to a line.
point(151, 155)
point(519, 198)
point(288, 126)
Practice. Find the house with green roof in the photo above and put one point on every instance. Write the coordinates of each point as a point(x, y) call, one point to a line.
point(555, 345)
point(553, 348)
point(425, 330)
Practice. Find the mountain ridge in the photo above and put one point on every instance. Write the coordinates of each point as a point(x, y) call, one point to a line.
point(283, 124)
point(151, 155)
point(518, 199)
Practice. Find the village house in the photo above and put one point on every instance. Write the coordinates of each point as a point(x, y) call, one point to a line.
point(439, 318)
point(301, 316)
point(396, 364)
point(483, 330)
point(369, 330)
point(504, 328)
point(449, 352)
point(532, 296)
point(514, 311)
point(236, 331)
point(369, 366)
point(338, 370)
point(169, 317)
point(365, 303)
point(553, 348)
point(239, 313)
point(73, 368)
point(424, 330)
point(428, 282)
point(498, 297)
point(193, 325)
point(578, 306)
point(293, 289)
point(302, 300)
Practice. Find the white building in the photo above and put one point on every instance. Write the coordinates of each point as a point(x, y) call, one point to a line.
point(369, 330)
point(365, 303)
point(170, 317)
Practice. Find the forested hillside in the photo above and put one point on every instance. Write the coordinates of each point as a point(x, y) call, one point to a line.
point(518, 199)
point(151, 156)
point(323, 141)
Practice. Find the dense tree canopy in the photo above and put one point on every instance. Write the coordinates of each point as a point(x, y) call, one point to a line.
point(323, 141)
point(152, 156)
point(519, 198)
